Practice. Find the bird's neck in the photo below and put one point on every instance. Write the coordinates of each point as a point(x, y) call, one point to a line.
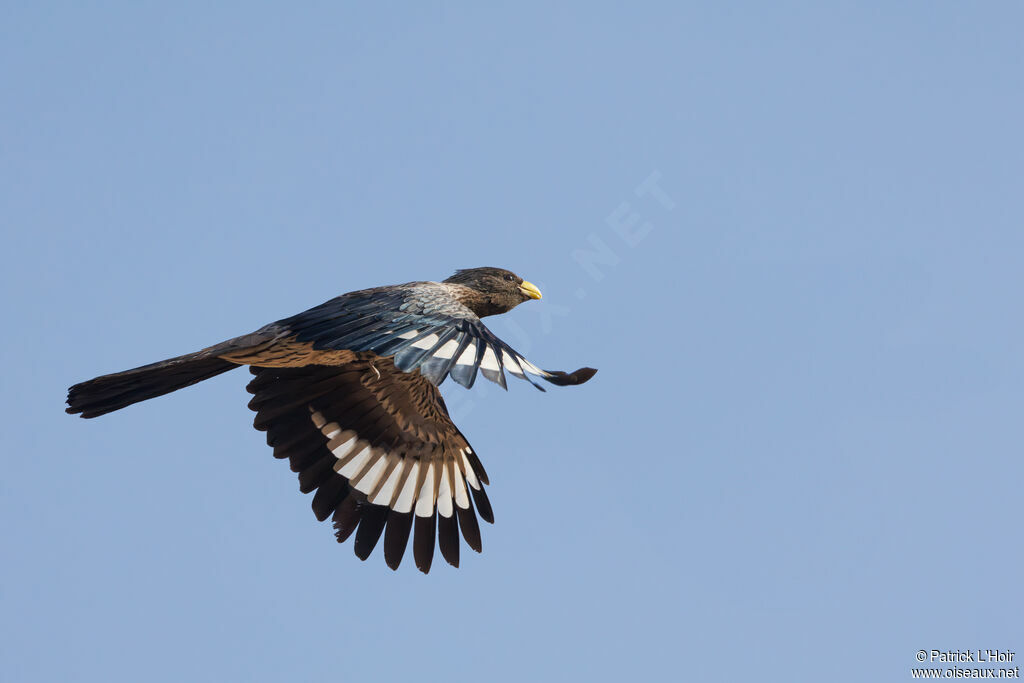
point(478, 302)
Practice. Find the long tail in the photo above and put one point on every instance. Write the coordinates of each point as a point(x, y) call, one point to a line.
point(112, 392)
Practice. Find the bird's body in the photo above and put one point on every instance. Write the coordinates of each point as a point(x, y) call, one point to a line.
point(347, 392)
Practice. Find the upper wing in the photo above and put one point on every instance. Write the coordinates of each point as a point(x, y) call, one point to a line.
point(424, 328)
point(379, 448)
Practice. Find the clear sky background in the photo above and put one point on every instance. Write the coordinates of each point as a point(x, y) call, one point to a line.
point(801, 457)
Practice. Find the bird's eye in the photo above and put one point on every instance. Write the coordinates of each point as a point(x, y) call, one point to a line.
point(510, 278)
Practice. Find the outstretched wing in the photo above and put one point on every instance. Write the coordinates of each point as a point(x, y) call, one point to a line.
point(425, 329)
point(378, 447)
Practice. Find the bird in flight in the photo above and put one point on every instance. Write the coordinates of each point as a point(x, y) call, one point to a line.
point(347, 392)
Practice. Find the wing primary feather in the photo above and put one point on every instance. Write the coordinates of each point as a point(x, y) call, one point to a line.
point(434, 369)
point(387, 339)
point(287, 433)
point(483, 505)
point(423, 542)
point(470, 527)
point(507, 350)
point(478, 467)
point(346, 518)
point(410, 355)
point(410, 338)
point(328, 496)
point(464, 339)
point(304, 451)
point(492, 357)
point(371, 524)
point(396, 537)
point(448, 538)
point(317, 473)
point(465, 373)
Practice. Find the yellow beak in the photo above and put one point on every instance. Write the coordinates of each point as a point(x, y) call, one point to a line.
point(529, 289)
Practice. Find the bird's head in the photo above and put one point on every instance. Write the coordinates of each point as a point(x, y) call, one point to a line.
point(493, 290)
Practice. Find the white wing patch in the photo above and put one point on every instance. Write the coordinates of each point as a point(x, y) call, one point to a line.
point(490, 361)
point(447, 350)
point(425, 501)
point(366, 481)
point(353, 462)
point(405, 497)
point(427, 342)
point(468, 469)
point(468, 356)
point(511, 364)
point(393, 480)
point(461, 495)
point(444, 491)
point(387, 490)
point(533, 369)
point(342, 443)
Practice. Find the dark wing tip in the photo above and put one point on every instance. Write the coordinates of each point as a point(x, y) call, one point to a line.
point(423, 542)
point(565, 379)
point(371, 525)
point(396, 537)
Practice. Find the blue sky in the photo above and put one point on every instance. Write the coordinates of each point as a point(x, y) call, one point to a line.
point(800, 459)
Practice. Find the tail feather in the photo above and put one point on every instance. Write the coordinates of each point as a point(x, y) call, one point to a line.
point(108, 393)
